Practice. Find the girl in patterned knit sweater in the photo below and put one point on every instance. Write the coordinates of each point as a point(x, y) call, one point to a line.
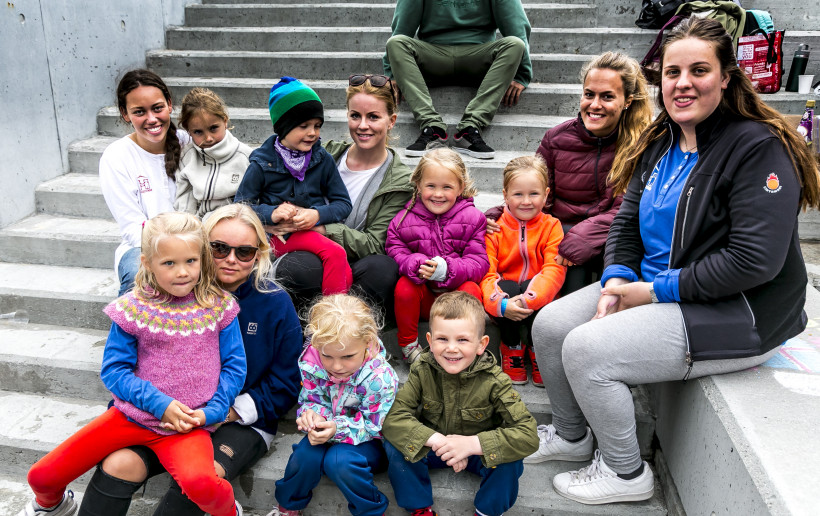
point(347, 389)
point(174, 362)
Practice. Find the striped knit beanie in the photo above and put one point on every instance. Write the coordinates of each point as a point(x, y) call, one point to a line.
point(292, 103)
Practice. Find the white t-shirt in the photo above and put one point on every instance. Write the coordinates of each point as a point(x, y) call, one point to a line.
point(354, 180)
point(135, 188)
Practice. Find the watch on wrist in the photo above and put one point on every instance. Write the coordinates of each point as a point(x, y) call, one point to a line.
point(652, 294)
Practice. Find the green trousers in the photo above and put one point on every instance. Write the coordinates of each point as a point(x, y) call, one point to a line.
point(491, 66)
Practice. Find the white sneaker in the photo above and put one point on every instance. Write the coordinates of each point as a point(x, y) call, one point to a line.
point(411, 352)
point(239, 510)
point(552, 447)
point(66, 507)
point(597, 484)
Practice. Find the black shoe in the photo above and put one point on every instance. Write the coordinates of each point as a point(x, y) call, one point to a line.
point(428, 135)
point(469, 142)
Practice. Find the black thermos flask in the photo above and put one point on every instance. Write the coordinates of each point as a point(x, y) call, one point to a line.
point(798, 68)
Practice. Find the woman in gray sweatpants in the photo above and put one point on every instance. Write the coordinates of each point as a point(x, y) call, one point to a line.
point(703, 273)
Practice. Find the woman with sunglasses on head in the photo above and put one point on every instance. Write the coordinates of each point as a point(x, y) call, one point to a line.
point(379, 186)
point(704, 273)
point(272, 338)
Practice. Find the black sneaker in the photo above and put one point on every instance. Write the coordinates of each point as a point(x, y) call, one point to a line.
point(469, 141)
point(428, 135)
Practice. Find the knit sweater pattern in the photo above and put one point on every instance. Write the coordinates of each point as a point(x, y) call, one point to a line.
point(178, 348)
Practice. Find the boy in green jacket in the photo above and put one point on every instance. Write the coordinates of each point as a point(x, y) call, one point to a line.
point(458, 410)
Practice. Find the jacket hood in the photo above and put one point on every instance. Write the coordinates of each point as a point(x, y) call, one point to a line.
point(482, 362)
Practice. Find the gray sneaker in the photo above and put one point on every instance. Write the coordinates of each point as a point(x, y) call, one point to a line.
point(66, 507)
point(598, 484)
point(552, 447)
point(411, 352)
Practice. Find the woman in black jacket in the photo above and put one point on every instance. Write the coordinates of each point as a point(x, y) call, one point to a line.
point(703, 274)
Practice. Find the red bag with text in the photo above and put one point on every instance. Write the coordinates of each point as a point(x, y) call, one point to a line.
point(761, 57)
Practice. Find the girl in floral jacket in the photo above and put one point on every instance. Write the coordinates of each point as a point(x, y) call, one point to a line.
point(438, 243)
point(347, 389)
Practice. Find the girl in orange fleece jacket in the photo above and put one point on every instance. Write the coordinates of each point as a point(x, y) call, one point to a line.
point(523, 275)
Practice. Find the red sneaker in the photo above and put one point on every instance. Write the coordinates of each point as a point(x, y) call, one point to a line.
point(512, 363)
point(536, 373)
point(427, 511)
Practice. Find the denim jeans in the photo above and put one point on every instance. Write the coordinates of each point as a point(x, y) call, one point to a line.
point(127, 269)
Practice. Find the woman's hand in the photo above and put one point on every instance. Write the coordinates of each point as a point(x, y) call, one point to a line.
point(427, 269)
point(515, 309)
point(283, 228)
point(492, 226)
point(319, 229)
point(306, 219)
point(560, 260)
point(609, 303)
point(233, 415)
point(630, 294)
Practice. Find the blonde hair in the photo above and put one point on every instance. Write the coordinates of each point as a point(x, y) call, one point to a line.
point(634, 119)
point(187, 228)
point(385, 94)
point(263, 282)
point(739, 100)
point(459, 305)
point(521, 165)
point(200, 100)
point(339, 318)
point(447, 158)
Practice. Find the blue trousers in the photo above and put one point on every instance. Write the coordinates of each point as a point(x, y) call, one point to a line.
point(127, 269)
point(411, 481)
point(349, 466)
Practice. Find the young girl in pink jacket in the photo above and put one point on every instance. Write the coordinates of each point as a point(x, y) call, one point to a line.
point(438, 242)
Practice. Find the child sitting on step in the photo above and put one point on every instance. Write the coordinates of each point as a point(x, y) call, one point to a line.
point(437, 241)
point(213, 164)
point(523, 275)
point(458, 410)
point(347, 389)
point(174, 362)
point(293, 185)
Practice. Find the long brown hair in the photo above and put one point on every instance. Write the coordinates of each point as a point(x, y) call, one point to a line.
point(739, 99)
point(133, 80)
point(636, 117)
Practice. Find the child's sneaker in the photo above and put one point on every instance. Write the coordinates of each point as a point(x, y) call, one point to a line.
point(281, 511)
point(597, 484)
point(536, 373)
point(411, 352)
point(427, 511)
point(512, 363)
point(66, 507)
point(552, 447)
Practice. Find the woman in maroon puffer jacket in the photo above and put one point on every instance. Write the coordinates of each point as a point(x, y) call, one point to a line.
point(614, 110)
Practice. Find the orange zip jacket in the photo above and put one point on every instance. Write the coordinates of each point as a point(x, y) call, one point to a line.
point(522, 251)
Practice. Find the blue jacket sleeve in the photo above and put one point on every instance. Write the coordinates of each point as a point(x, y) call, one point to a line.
point(338, 205)
point(232, 376)
point(117, 374)
point(667, 286)
point(250, 190)
point(276, 392)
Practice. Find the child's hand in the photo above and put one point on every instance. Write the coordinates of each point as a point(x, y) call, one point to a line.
point(284, 211)
point(322, 433)
point(436, 441)
point(560, 260)
point(307, 420)
point(427, 269)
point(460, 465)
point(515, 309)
point(458, 448)
point(492, 226)
point(306, 218)
point(180, 418)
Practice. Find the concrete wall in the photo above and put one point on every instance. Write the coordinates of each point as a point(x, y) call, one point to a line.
point(59, 64)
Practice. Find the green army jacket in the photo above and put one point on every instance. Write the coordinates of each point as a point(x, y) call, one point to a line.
point(478, 401)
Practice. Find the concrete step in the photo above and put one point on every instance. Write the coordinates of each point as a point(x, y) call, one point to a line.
point(508, 132)
point(67, 296)
point(551, 68)
point(38, 424)
point(84, 155)
point(391, 2)
point(59, 240)
point(359, 15)
point(75, 195)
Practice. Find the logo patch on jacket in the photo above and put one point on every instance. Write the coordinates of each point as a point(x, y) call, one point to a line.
point(772, 183)
point(143, 183)
point(235, 178)
point(252, 326)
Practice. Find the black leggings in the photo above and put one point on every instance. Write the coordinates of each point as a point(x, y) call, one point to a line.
point(511, 330)
point(374, 278)
point(236, 448)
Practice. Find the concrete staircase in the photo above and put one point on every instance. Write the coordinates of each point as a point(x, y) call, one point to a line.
point(57, 264)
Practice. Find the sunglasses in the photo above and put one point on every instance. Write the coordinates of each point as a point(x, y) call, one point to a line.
point(377, 81)
point(244, 253)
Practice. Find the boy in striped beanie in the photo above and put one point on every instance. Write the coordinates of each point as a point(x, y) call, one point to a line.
point(293, 185)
